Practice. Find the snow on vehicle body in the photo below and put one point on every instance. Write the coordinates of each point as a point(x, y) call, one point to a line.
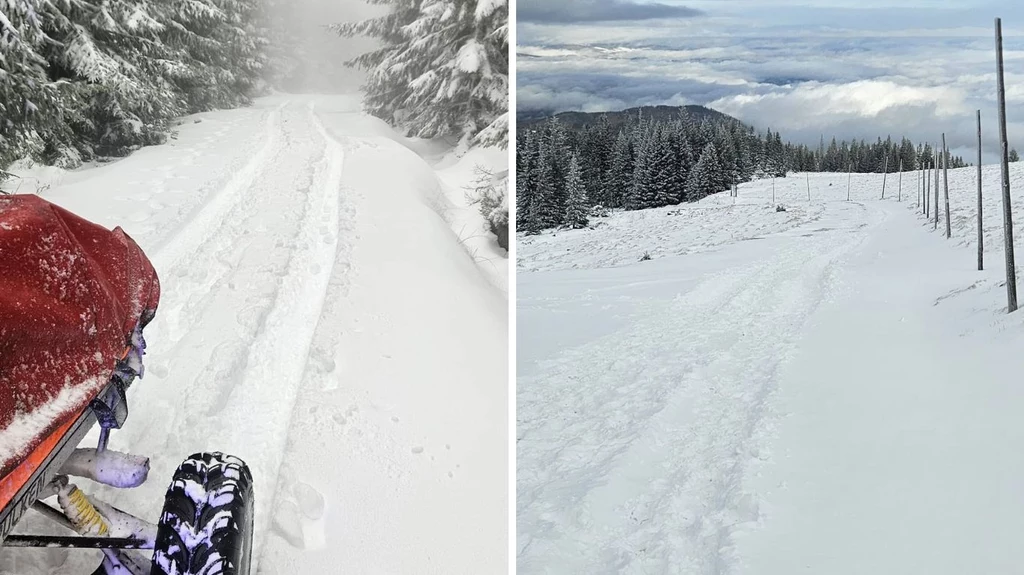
point(74, 299)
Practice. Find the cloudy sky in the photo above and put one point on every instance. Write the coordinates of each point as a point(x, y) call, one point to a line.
point(808, 68)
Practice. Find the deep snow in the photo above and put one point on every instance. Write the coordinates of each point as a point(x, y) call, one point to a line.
point(321, 320)
point(830, 389)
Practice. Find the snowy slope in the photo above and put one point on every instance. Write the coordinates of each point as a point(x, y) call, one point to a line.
point(833, 392)
point(319, 320)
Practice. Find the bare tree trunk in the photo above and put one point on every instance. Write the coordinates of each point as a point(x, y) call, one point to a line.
point(945, 181)
point(1011, 272)
point(885, 172)
point(981, 239)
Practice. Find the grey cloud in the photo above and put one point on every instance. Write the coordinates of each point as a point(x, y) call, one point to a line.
point(729, 63)
point(570, 11)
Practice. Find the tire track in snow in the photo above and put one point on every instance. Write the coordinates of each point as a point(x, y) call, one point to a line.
point(214, 212)
point(633, 447)
point(278, 356)
point(243, 305)
point(204, 231)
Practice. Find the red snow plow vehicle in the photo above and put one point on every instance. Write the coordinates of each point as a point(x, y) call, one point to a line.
point(74, 299)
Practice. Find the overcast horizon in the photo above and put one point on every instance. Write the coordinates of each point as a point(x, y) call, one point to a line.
point(807, 69)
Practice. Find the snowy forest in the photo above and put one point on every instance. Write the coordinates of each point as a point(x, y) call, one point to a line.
point(564, 174)
point(83, 81)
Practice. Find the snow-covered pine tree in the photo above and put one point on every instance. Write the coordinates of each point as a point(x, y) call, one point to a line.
point(683, 163)
point(705, 177)
point(665, 192)
point(222, 45)
point(113, 74)
point(109, 54)
point(526, 179)
point(553, 154)
point(442, 69)
point(595, 152)
point(576, 205)
point(641, 189)
point(620, 176)
point(29, 103)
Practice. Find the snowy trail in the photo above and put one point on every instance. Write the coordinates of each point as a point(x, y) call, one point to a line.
point(899, 447)
point(286, 236)
point(631, 445)
point(830, 389)
point(418, 434)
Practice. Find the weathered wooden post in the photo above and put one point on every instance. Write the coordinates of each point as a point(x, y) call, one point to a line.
point(945, 180)
point(773, 190)
point(918, 189)
point(849, 181)
point(899, 186)
point(927, 191)
point(981, 239)
point(935, 219)
point(1011, 272)
point(808, 186)
point(885, 172)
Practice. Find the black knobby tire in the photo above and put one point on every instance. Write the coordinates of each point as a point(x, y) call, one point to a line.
point(206, 524)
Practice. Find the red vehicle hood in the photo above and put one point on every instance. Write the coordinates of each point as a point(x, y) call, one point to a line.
point(71, 295)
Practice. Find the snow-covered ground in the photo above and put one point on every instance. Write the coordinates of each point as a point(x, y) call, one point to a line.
point(831, 389)
point(321, 320)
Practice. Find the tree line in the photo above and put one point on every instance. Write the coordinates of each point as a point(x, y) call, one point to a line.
point(563, 174)
point(82, 80)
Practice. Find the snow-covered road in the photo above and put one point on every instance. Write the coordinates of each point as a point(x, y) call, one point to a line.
point(320, 320)
point(787, 397)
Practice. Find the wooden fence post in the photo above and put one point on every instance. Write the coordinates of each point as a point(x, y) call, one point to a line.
point(927, 190)
point(981, 238)
point(1011, 272)
point(935, 219)
point(885, 172)
point(899, 187)
point(945, 181)
point(849, 181)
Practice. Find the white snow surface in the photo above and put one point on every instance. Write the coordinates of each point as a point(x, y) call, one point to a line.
point(831, 389)
point(320, 320)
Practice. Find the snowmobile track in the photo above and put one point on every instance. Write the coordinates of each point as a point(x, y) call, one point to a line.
point(654, 491)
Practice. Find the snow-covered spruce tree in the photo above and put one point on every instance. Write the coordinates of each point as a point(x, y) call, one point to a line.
point(576, 206)
point(222, 47)
point(526, 180)
point(641, 189)
point(29, 103)
point(442, 69)
point(620, 175)
point(116, 72)
point(112, 63)
point(705, 177)
point(664, 184)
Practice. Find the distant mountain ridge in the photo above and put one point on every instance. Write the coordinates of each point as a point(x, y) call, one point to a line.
point(577, 120)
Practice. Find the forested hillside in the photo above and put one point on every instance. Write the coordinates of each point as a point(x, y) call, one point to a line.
point(564, 172)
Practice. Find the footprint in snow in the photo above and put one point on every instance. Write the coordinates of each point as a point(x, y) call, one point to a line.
point(300, 517)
